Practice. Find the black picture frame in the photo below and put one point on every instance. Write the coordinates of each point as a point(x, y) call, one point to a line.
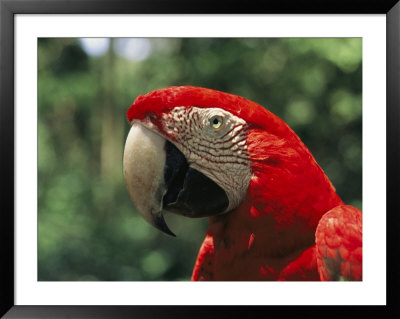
point(8, 10)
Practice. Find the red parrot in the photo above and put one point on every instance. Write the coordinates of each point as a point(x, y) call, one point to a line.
point(274, 214)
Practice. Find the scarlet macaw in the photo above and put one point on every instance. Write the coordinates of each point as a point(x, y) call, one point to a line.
point(274, 214)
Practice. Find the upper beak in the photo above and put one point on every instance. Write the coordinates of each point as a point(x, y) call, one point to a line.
point(144, 160)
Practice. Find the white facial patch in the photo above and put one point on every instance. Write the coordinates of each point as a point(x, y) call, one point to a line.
point(214, 143)
point(144, 159)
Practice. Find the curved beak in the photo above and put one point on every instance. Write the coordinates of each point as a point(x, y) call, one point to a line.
point(158, 176)
point(144, 160)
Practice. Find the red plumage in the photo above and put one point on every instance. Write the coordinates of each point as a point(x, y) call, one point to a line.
point(339, 242)
point(163, 100)
point(272, 234)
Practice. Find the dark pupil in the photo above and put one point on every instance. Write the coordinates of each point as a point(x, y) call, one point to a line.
point(216, 121)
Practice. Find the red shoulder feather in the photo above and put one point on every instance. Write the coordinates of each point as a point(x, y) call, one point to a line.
point(339, 244)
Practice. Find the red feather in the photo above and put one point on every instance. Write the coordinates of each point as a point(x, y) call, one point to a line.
point(272, 234)
point(339, 244)
point(163, 100)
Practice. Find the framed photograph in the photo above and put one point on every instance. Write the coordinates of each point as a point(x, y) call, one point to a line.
point(94, 102)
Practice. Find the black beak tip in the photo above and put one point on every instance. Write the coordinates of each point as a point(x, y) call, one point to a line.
point(159, 223)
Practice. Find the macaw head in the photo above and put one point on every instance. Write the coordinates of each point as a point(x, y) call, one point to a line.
point(195, 151)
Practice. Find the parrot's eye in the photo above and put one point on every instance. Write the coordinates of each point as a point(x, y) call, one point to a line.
point(216, 122)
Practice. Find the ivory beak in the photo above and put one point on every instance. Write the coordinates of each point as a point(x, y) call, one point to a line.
point(144, 161)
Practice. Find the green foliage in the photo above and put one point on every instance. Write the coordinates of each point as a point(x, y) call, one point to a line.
point(88, 228)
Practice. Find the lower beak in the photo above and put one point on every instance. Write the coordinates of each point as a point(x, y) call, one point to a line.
point(158, 176)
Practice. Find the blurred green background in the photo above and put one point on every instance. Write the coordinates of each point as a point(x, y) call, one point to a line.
point(88, 228)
